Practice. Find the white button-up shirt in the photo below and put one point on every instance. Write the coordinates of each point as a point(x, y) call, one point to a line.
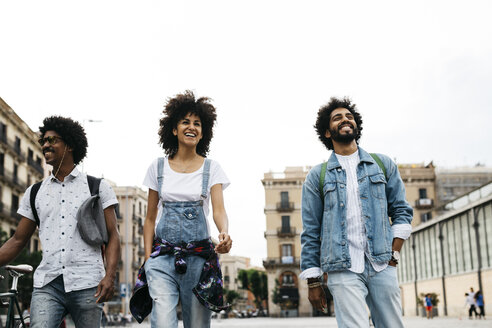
point(64, 251)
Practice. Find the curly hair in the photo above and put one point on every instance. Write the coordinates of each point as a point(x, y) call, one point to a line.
point(324, 116)
point(176, 109)
point(70, 131)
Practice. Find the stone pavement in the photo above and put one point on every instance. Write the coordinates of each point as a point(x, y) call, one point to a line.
point(410, 322)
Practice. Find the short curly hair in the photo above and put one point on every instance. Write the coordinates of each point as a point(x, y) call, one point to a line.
point(324, 116)
point(176, 109)
point(70, 131)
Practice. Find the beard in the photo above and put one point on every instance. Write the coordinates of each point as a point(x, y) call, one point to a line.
point(344, 138)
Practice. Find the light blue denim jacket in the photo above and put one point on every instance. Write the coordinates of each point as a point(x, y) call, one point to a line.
point(324, 237)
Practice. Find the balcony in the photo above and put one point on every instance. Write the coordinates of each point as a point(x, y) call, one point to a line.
point(136, 265)
point(13, 148)
point(135, 218)
point(12, 180)
point(424, 203)
point(285, 206)
point(286, 232)
point(284, 261)
point(6, 212)
point(136, 240)
point(31, 162)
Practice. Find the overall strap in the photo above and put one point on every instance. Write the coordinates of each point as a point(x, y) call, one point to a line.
point(206, 176)
point(160, 174)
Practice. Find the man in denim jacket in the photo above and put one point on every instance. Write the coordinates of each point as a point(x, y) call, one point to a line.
point(355, 232)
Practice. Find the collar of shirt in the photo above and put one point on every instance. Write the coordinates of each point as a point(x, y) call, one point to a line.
point(72, 175)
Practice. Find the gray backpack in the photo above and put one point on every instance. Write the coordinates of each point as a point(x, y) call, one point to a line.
point(90, 216)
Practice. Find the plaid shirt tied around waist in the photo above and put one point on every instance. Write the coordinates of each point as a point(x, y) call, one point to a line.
point(208, 290)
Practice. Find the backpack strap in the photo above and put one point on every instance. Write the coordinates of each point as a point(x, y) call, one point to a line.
point(34, 191)
point(322, 180)
point(93, 184)
point(380, 164)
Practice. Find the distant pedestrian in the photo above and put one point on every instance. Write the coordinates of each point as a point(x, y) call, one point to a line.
point(428, 305)
point(470, 301)
point(480, 304)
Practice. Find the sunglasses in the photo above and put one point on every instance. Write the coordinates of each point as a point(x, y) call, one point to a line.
point(51, 140)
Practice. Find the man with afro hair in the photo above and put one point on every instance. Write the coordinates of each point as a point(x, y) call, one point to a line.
point(346, 206)
point(71, 278)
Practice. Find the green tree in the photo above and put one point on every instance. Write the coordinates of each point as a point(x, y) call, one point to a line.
point(231, 296)
point(25, 284)
point(256, 282)
point(275, 293)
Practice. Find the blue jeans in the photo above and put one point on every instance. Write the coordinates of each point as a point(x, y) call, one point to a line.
point(379, 290)
point(50, 304)
point(166, 288)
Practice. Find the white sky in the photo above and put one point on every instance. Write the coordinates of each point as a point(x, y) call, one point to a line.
point(420, 73)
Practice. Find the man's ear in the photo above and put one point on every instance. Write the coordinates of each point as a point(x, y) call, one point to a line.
point(175, 132)
point(327, 134)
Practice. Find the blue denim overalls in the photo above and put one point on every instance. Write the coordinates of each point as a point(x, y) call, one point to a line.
point(179, 222)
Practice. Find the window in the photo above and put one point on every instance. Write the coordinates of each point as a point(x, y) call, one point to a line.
point(3, 132)
point(15, 172)
point(422, 193)
point(287, 279)
point(284, 199)
point(286, 224)
point(30, 153)
point(424, 217)
point(140, 208)
point(287, 250)
point(2, 161)
point(17, 145)
point(15, 203)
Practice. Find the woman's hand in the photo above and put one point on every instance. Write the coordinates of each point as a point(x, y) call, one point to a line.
point(225, 243)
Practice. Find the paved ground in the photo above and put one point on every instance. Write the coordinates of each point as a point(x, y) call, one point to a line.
point(410, 322)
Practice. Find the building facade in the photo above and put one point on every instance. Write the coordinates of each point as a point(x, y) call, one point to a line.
point(131, 213)
point(283, 229)
point(420, 187)
point(449, 254)
point(230, 266)
point(452, 183)
point(21, 164)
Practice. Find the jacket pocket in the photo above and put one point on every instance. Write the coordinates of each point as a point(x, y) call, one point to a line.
point(378, 186)
point(329, 194)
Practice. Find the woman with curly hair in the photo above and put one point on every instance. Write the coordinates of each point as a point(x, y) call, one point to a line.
point(181, 261)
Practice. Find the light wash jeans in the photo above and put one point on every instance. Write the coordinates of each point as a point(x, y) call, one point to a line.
point(379, 290)
point(166, 288)
point(51, 303)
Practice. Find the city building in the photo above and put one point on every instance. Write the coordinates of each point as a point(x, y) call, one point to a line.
point(130, 214)
point(420, 187)
point(454, 182)
point(230, 266)
point(21, 165)
point(449, 254)
point(283, 228)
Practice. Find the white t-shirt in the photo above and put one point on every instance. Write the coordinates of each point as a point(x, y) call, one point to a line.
point(180, 187)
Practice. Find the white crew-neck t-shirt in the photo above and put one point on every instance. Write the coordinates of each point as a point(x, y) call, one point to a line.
point(181, 187)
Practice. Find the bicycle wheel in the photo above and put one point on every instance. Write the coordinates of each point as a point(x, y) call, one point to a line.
point(27, 322)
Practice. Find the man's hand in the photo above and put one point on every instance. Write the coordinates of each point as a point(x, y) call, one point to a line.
point(225, 243)
point(105, 289)
point(317, 298)
point(392, 263)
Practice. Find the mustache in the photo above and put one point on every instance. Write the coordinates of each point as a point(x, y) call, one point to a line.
point(345, 123)
point(48, 149)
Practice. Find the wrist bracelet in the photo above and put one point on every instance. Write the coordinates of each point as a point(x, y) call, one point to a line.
point(314, 284)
